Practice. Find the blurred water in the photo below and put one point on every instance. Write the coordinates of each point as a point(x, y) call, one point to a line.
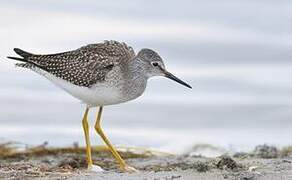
point(235, 54)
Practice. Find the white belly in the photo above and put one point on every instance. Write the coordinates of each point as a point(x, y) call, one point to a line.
point(98, 95)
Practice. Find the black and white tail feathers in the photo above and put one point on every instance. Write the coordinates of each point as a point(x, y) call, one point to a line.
point(25, 55)
point(24, 58)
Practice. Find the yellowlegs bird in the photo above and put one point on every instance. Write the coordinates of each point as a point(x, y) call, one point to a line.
point(99, 74)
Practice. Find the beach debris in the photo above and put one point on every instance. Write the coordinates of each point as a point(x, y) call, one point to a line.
point(202, 166)
point(226, 162)
point(265, 151)
point(7, 148)
point(252, 168)
point(286, 152)
point(286, 161)
point(73, 163)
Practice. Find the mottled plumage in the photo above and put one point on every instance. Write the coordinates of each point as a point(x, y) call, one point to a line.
point(84, 66)
point(99, 74)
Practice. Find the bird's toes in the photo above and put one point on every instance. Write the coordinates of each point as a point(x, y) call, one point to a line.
point(129, 169)
point(95, 168)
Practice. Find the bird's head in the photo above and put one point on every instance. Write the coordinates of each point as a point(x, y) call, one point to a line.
point(153, 65)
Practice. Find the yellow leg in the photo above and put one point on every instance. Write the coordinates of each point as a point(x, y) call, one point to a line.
point(86, 134)
point(99, 130)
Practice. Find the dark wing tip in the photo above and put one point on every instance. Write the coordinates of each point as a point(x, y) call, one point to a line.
point(16, 49)
point(22, 53)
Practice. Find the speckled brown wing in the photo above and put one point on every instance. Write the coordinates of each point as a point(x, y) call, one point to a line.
point(84, 66)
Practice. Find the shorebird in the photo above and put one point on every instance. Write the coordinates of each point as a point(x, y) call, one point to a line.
point(99, 74)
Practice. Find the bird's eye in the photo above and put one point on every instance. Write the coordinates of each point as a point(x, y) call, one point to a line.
point(155, 63)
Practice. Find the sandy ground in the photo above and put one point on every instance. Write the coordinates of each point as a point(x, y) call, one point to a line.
point(69, 163)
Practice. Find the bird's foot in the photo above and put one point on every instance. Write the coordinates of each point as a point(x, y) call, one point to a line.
point(95, 168)
point(129, 169)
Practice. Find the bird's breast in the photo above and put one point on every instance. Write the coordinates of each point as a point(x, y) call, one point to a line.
point(120, 86)
point(108, 94)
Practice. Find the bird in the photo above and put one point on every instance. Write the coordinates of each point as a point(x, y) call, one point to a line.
point(100, 74)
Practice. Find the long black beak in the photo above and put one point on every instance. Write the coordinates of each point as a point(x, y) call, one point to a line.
point(173, 77)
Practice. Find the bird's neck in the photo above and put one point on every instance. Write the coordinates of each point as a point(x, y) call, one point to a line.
point(136, 80)
point(136, 69)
